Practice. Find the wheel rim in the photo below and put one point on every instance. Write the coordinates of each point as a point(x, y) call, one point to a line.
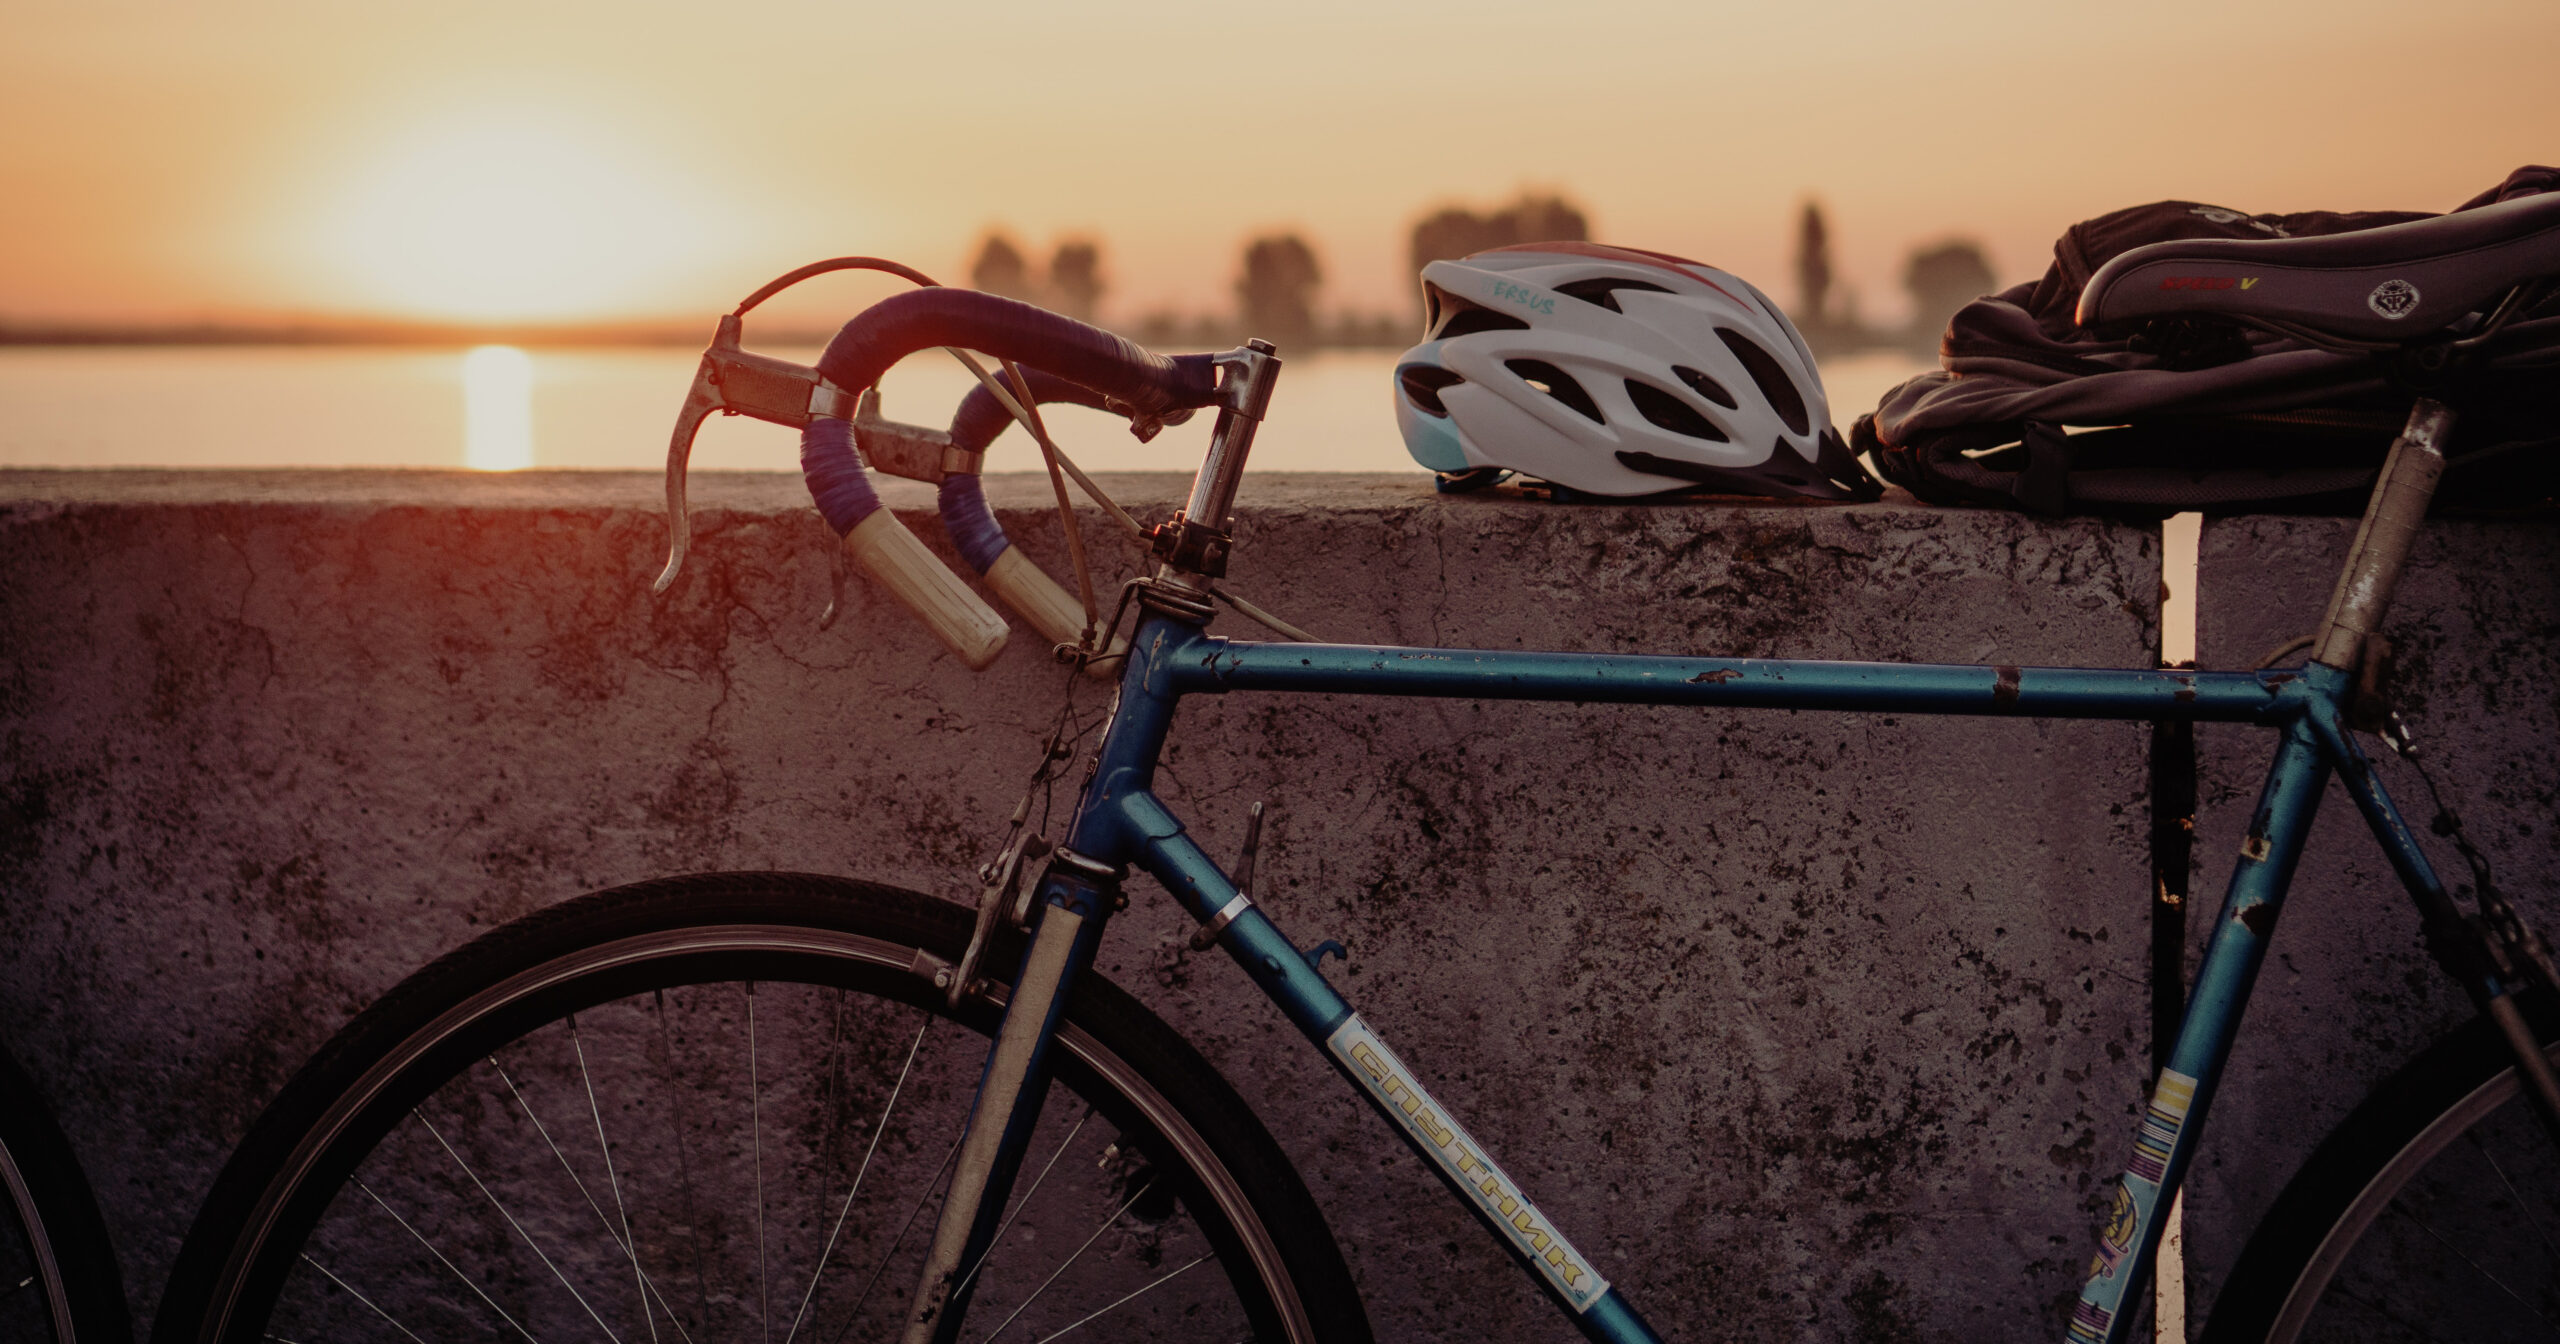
point(27, 1264)
point(1210, 1225)
point(2457, 1151)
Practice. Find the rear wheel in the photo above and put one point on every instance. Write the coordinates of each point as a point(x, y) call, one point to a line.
point(2433, 1213)
point(58, 1278)
point(724, 1108)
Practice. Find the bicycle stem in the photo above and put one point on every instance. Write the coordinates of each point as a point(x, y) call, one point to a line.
point(1196, 540)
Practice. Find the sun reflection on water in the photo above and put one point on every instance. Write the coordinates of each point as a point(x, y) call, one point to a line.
point(497, 409)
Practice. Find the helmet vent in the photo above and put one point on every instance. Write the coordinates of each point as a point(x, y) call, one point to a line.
point(1772, 380)
point(1466, 319)
point(1422, 384)
point(1706, 387)
point(1604, 290)
point(1556, 383)
point(1671, 413)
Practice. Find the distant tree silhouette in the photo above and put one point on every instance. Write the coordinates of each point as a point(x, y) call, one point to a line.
point(1075, 278)
point(1942, 279)
point(1449, 233)
point(1543, 219)
point(1276, 293)
point(1456, 231)
point(1000, 269)
point(1813, 269)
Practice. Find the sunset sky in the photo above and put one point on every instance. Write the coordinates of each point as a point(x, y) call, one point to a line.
point(234, 159)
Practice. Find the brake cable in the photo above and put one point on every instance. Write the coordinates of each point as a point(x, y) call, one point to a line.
point(1026, 413)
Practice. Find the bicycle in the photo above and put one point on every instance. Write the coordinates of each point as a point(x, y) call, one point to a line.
point(418, 1134)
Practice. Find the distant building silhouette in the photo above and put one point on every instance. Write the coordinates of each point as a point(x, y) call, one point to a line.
point(1075, 278)
point(1276, 293)
point(1000, 269)
point(1941, 279)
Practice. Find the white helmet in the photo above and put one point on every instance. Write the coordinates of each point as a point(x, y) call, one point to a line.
point(1614, 371)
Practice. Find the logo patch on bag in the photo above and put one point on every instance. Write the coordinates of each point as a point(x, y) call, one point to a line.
point(2393, 299)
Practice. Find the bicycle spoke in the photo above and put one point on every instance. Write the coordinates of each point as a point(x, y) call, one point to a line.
point(2477, 1268)
point(1124, 1300)
point(1020, 1204)
point(684, 1163)
point(867, 1153)
point(755, 1121)
point(349, 1290)
point(2384, 1313)
point(1070, 1260)
point(2523, 1205)
point(613, 1181)
point(922, 1197)
point(622, 1243)
point(450, 1267)
point(529, 1242)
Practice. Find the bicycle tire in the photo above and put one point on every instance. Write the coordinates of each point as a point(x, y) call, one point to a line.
point(347, 1123)
point(2431, 1212)
point(58, 1275)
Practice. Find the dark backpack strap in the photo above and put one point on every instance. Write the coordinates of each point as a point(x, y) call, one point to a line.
point(2044, 486)
point(2042, 470)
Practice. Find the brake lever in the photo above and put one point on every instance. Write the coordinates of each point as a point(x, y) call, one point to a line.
point(735, 381)
point(699, 403)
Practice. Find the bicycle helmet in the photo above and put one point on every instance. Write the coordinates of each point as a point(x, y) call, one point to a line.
point(1616, 371)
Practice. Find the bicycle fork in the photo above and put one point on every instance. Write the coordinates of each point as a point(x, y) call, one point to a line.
point(1076, 896)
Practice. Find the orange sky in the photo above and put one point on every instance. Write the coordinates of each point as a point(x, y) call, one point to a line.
point(550, 160)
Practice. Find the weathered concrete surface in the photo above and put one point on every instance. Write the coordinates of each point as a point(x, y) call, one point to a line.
point(1804, 1026)
point(2348, 995)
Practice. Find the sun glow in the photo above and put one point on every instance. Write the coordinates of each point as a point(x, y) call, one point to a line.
point(512, 217)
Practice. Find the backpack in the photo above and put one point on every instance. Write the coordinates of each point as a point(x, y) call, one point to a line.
point(2030, 411)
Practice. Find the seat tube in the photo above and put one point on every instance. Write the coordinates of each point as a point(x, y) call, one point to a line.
point(2165, 1142)
point(1076, 897)
point(2391, 522)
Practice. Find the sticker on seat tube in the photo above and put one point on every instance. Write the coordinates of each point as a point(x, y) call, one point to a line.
point(2137, 1200)
point(1376, 1068)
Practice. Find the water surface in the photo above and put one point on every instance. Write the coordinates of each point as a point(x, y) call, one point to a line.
point(499, 408)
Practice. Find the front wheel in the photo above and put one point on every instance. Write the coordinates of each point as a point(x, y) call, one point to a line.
point(724, 1108)
point(2432, 1213)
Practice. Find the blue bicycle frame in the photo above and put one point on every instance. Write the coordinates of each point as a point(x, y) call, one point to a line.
point(1120, 823)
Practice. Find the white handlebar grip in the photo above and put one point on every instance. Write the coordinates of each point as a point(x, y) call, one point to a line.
point(1037, 598)
point(915, 576)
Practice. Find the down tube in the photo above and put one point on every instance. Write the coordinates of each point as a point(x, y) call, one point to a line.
point(1288, 978)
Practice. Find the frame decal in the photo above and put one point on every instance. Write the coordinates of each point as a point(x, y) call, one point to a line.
point(1376, 1068)
point(2137, 1198)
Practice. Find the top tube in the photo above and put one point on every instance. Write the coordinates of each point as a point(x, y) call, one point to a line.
point(1216, 665)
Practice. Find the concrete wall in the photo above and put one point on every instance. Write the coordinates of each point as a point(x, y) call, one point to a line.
point(2348, 994)
point(1836, 1022)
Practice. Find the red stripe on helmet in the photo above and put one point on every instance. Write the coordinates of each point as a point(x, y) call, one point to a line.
point(1633, 256)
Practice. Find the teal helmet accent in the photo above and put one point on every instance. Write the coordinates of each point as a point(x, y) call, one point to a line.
point(1433, 439)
